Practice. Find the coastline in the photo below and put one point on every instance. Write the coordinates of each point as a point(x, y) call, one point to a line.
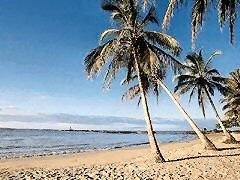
point(20, 143)
point(184, 160)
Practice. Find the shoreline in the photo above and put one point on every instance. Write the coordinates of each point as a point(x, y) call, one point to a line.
point(54, 153)
point(184, 160)
point(25, 153)
point(140, 146)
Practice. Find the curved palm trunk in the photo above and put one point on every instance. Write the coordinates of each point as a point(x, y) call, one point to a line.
point(152, 139)
point(229, 137)
point(207, 144)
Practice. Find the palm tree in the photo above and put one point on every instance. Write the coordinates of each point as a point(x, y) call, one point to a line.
point(126, 49)
point(154, 83)
point(232, 100)
point(200, 78)
point(227, 10)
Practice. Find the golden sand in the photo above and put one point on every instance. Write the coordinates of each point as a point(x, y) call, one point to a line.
point(185, 160)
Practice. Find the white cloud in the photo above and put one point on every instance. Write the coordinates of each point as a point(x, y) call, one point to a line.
point(22, 119)
point(13, 110)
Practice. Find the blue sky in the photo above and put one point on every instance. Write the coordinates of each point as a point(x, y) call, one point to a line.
point(43, 43)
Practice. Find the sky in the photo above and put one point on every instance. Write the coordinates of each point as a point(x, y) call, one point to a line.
point(43, 44)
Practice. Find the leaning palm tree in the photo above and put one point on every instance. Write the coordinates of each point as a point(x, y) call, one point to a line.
point(126, 49)
point(154, 82)
point(227, 10)
point(200, 78)
point(232, 100)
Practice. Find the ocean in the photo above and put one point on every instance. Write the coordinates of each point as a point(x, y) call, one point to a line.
point(15, 143)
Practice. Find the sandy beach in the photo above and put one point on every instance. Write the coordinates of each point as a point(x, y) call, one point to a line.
point(185, 160)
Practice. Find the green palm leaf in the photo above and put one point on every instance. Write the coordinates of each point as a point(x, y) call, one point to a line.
point(199, 78)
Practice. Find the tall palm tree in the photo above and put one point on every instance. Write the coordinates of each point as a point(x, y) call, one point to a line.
point(200, 78)
point(126, 49)
point(232, 100)
point(154, 83)
point(226, 9)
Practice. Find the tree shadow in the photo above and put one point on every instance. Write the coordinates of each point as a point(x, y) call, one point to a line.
point(228, 148)
point(204, 156)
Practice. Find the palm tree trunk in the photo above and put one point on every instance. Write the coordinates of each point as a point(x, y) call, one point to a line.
point(207, 144)
point(229, 137)
point(152, 139)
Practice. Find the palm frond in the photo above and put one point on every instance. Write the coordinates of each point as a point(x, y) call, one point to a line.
point(118, 62)
point(169, 14)
point(233, 15)
point(131, 93)
point(156, 51)
point(227, 9)
point(117, 16)
point(215, 53)
point(165, 41)
point(210, 88)
point(198, 12)
point(147, 83)
point(213, 72)
point(150, 17)
point(219, 79)
point(192, 93)
point(111, 5)
point(109, 32)
point(134, 11)
point(223, 11)
point(166, 59)
point(231, 99)
point(173, 4)
point(185, 85)
point(183, 77)
point(191, 59)
point(199, 77)
point(97, 58)
point(201, 100)
point(129, 77)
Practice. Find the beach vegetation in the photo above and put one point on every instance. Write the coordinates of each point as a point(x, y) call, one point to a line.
point(201, 79)
point(154, 83)
point(226, 9)
point(126, 48)
point(231, 100)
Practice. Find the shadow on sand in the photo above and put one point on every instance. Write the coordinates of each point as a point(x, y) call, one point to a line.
point(209, 156)
point(228, 148)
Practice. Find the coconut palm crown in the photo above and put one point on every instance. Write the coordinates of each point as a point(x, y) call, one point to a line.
point(154, 84)
point(127, 47)
point(232, 100)
point(130, 33)
point(227, 12)
point(201, 79)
